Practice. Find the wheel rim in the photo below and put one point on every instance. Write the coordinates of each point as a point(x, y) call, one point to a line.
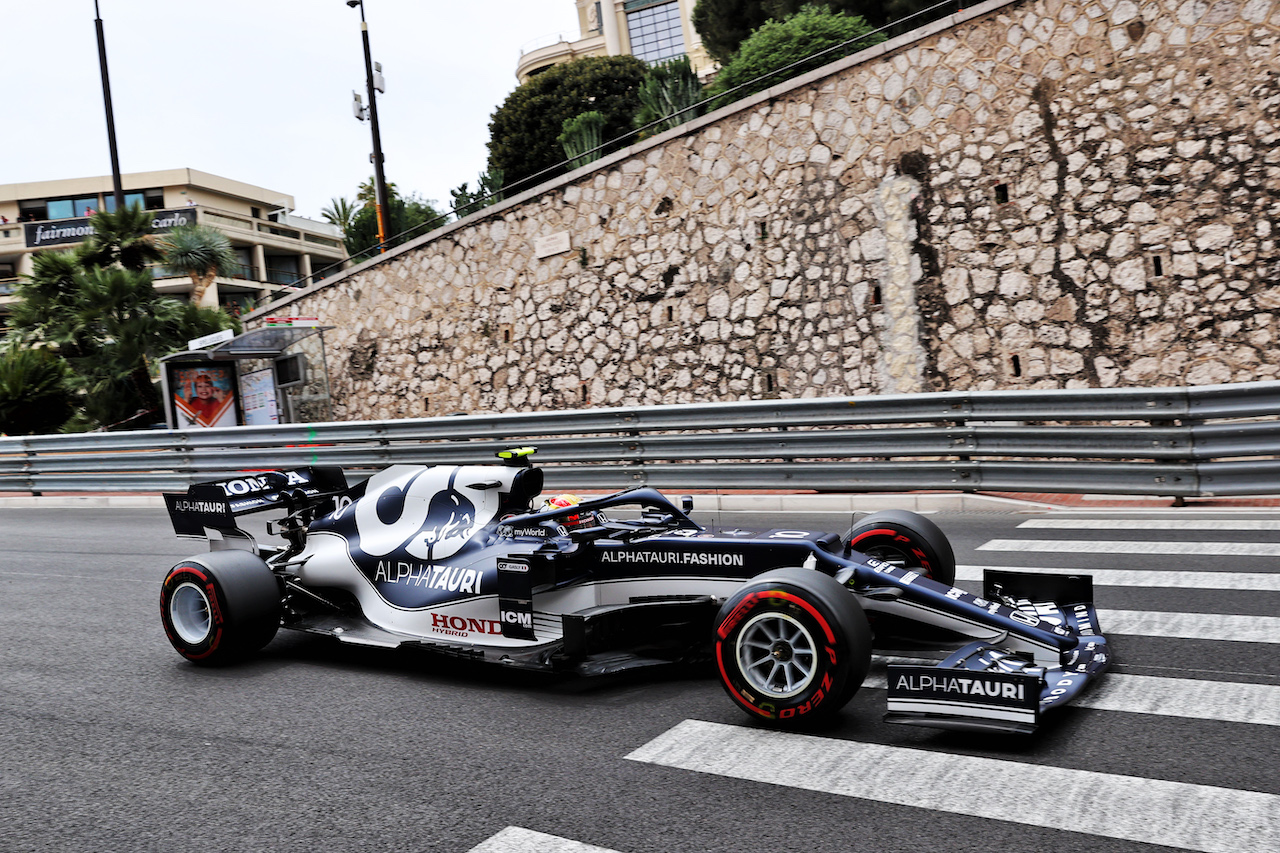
point(883, 549)
point(777, 655)
point(189, 613)
point(895, 557)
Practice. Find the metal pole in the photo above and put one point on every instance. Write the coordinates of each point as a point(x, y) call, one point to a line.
point(380, 180)
point(118, 190)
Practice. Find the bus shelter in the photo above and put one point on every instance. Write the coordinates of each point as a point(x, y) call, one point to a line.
point(277, 374)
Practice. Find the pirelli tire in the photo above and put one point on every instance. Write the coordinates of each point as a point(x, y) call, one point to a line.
point(792, 646)
point(907, 540)
point(220, 607)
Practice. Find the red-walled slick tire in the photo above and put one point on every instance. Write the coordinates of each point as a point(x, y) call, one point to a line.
point(906, 540)
point(792, 647)
point(220, 606)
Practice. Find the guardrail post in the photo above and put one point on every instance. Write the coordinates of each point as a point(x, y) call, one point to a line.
point(27, 469)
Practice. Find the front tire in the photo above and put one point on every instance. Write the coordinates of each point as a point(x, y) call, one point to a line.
point(792, 647)
point(220, 607)
point(906, 540)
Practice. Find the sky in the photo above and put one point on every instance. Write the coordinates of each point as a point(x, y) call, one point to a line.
point(259, 91)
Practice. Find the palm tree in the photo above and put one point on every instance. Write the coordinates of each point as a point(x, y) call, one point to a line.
point(96, 308)
point(123, 238)
point(34, 392)
point(200, 252)
point(340, 212)
point(368, 194)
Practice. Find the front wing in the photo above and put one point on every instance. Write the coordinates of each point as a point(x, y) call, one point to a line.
point(984, 687)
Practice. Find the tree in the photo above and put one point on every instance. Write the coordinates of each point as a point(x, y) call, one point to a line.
point(523, 131)
point(200, 252)
point(368, 192)
point(106, 321)
point(413, 215)
point(815, 34)
point(488, 191)
point(725, 24)
point(34, 393)
point(340, 212)
point(670, 93)
point(123, 237)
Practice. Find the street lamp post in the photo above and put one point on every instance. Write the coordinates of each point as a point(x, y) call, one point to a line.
point(111, 119)
point(380, 180)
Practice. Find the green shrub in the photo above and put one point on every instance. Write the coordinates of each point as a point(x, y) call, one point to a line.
point(34, 393)
point(668, 92)
point(580, 138)
point(524, 131)
point(725, 24)
point(809, 39)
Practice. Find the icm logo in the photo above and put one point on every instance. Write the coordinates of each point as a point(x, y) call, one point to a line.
point(512, 617)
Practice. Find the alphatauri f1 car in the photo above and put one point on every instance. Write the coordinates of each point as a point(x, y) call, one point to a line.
point(458, 560)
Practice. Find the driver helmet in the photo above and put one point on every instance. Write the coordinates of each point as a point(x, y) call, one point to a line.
point(567, 500)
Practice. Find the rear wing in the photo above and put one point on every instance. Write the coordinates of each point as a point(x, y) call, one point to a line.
point(217, 504)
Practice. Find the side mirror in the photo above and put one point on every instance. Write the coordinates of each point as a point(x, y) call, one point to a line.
point(686, 504)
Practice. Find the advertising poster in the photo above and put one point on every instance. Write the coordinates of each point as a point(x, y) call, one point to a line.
point(258, 398)
point(204, 394)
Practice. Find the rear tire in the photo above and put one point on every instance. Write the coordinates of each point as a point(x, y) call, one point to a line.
point(792, 646)
point(220, 607)
point(906, 540)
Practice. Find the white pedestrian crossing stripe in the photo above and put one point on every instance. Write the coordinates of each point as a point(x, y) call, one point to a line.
point(1206, 626)
point(514, 839)
point(1175, 814)
point(1227, 701)
point(1223, 701)
point(1232, 524)
point(1260, 581)
point(1181, 549)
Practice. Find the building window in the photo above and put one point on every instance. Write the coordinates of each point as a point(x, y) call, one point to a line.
point(655, 31)
point(282, 269)
point(244, 261)
point(59, 208)
point(36, 209)
point(130, 200)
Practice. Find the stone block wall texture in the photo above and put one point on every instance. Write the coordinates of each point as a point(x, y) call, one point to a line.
point(1037, 194)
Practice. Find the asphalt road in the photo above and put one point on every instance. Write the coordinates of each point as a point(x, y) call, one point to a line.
point(110, 741)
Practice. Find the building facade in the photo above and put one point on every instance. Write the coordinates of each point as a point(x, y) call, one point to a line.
point(275, 251)
point(653, 30)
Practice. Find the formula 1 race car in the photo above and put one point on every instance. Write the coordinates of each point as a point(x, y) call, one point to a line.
point(458, 560)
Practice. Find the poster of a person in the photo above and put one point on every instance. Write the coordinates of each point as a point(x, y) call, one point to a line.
point(204, 397)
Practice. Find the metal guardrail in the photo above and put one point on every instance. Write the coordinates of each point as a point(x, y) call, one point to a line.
point(1181, 442)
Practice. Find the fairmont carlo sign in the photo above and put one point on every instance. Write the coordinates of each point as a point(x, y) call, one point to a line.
point(42, 234)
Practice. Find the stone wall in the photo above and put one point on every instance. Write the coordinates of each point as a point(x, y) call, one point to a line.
point(1033, 194)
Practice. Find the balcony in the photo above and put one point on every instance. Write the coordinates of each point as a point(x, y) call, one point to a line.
point(562, 50)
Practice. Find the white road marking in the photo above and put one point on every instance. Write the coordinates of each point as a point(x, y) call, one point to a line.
point(1226, 701)
point(98, 578)
point(1152, 524)
point(1195, 626)
point(1072, 546)
point(1153, 811)
point(514, 839)
point(1194, 699)
point(1134, 577)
